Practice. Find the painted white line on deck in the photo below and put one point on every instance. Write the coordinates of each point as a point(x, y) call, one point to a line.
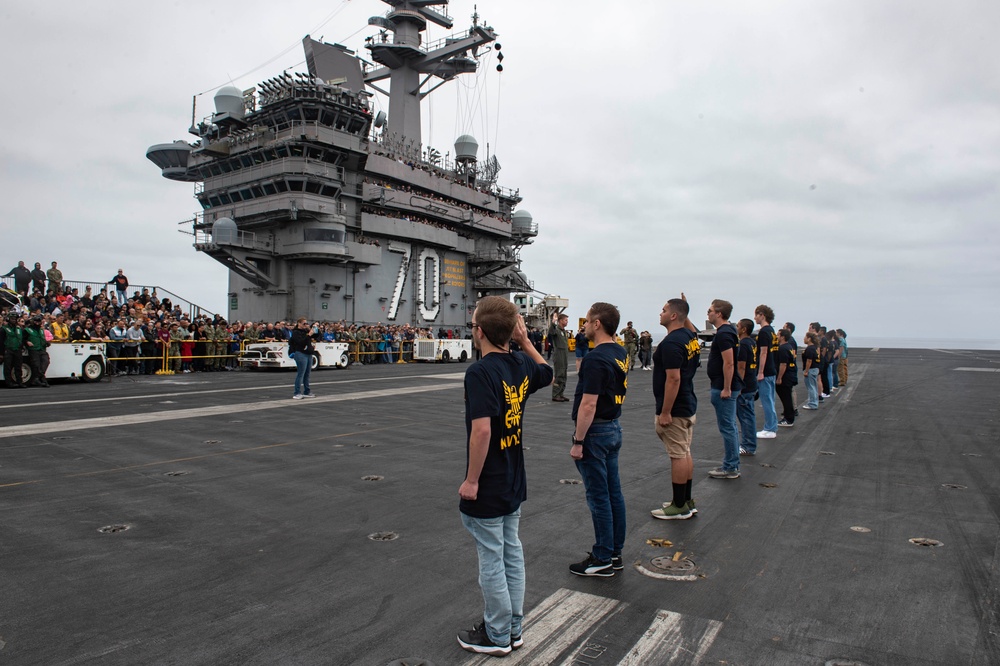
point(283, 387)
point(563, 619)
point(664, 642)
point(977, 369)
point(200, 412)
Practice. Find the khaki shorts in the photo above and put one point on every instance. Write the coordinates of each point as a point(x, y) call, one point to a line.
point(676, 437)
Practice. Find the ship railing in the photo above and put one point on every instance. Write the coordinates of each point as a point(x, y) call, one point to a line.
point(250, 176)
point(230, 238)
point(188, 307)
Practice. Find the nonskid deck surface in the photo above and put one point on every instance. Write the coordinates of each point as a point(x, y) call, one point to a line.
point(249, 519)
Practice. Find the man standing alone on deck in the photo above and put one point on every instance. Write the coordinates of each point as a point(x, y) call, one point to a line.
point(842, 369)
point(631, 339)
point(597, 439)
point(767, 353)
point(726, 385)
point(675, 362)
point(558, 337)
point(121, 286)
point(496, 388)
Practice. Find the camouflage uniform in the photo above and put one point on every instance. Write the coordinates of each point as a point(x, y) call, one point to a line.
point(176, 336)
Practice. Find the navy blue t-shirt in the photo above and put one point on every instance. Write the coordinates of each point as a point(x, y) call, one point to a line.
point(810, 354)
point(786, 355)
point(748, 354)
point(725, 338)
point(767, 339)
point(497, 387)
point(604, 373)
point(680, 350)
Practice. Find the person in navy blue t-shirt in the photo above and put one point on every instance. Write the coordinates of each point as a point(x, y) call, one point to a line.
point(787, 377)
point(767, 353)
point(496, 389)
point(597, 439)
point(675, 362)
point(746, 367)
point(726, 386)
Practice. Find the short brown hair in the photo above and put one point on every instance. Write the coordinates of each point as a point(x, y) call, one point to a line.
point(607, 314)
point(496, 318)
point(724, 308)
point(745, 326)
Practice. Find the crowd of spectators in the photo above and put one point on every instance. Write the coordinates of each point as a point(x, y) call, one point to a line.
point(143, 327)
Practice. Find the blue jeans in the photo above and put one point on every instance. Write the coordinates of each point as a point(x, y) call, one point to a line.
point(725, 415)
point(501, 573)
point(303, 366)
point(812, 377)
point(599, 469)
point(748, 421)
point(766, 389)
point(834, 373)
point(830, 374)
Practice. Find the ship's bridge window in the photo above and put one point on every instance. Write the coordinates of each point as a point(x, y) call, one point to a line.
point(323, 235)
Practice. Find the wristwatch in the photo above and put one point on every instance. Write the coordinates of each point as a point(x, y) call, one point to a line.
point(576, 442)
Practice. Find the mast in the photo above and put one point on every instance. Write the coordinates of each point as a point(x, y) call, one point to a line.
point(409, 64)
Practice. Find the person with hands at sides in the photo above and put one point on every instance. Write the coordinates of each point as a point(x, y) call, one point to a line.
point(597, 439)
point(675, 362)
point(726, 386)
point(496, 389)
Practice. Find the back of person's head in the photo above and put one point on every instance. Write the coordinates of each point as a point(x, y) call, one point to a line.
point(745, 326)
point(785, 334)
point(679, 307)
point(790, 326)
point(496, 318)
point(608, 315)
point(841, 333)
point(724, 308)
point(766, 311)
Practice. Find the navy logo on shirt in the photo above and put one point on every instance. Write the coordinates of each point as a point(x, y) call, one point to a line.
point(515, 398)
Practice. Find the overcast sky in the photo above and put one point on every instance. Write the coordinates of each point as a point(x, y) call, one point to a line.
point(837, 160)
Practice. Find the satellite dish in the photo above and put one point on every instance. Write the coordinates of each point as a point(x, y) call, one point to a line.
point(380, 119)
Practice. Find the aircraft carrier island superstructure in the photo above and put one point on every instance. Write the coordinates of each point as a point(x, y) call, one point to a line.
point(324, 208)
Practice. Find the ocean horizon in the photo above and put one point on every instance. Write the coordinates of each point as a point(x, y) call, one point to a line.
point(923, 343)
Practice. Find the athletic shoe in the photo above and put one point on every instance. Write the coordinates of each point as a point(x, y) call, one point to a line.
point(796, 412)
point(592, 567)
point(691, 506)
point(672, 512)
point(824, 395)
point(744, 452)
point(476, 640)
point(308, 395)
point(516, 641)
point(723, 473)
point(616, 562)
point(809, 408)
point(766, 434)
point(785, 424)
point(296, 397)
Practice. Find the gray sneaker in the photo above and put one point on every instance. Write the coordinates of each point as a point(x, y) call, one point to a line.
point(723, 473)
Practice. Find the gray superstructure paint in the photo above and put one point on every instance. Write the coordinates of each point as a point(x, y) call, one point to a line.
point(319, 209)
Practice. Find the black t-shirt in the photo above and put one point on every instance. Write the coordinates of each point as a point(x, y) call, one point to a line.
point(680, 350)
point(497, 387)
point(786, 355)
point(748, 355)
point(603, 372)
point(766, 339)
point(810, 354)
point(725, 338)
point(824, 350)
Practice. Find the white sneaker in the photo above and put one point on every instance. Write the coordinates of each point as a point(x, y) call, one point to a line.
point(766, 434)
point(824, 395)
point(309, 395)
point(296, 397)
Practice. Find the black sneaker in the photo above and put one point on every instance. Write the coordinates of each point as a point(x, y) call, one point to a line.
point(592, 567)
point(476, 640)
point(616, 562)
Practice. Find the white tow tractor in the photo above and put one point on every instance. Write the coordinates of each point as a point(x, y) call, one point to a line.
point(275, 355)
point(85, 360)
point(439, 349)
